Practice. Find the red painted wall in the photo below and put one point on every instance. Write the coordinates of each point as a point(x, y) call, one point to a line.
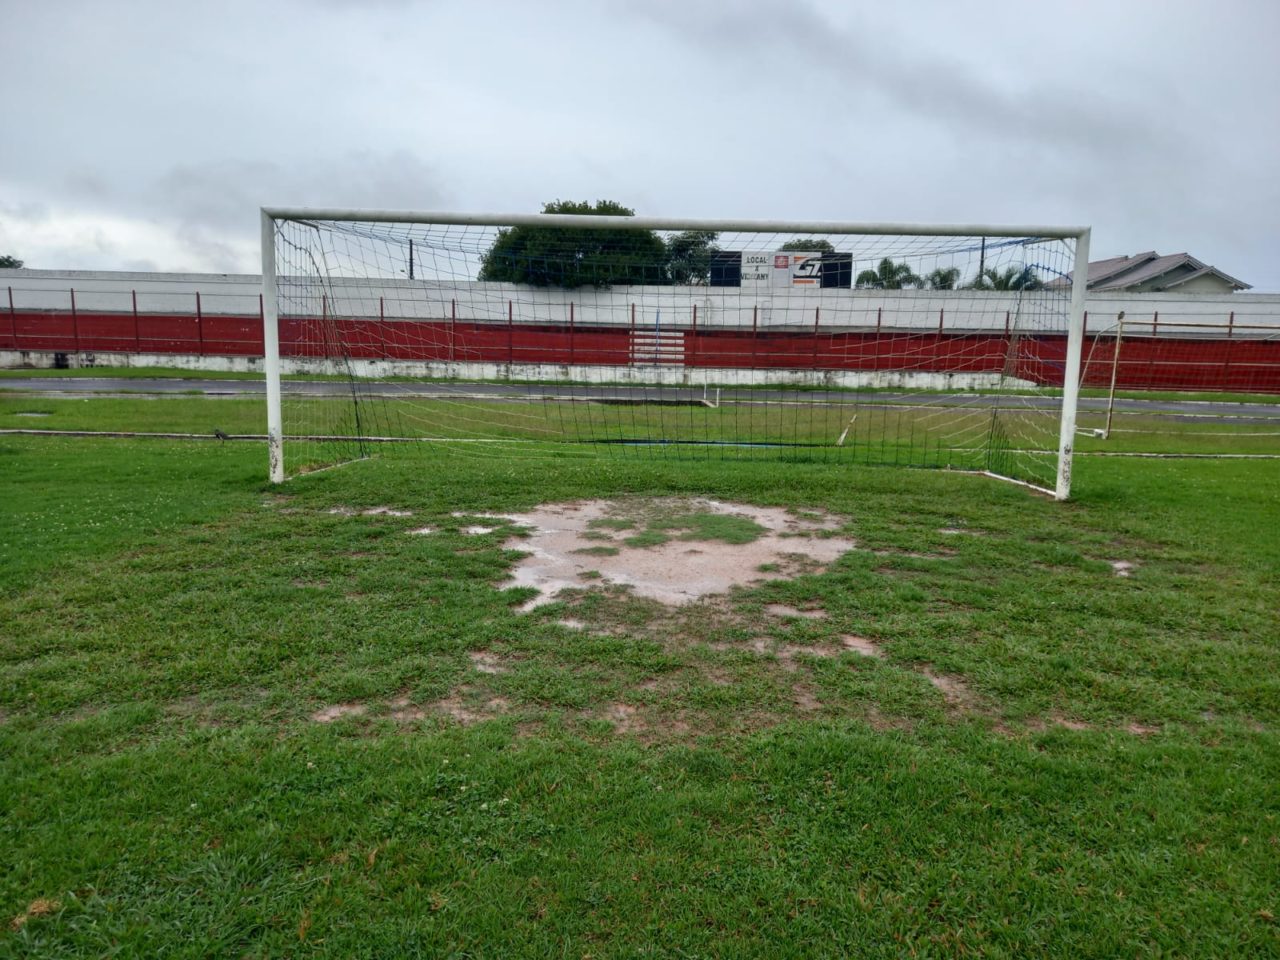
point(1170, 362)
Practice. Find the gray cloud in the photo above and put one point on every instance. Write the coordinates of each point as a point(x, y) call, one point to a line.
point(157, 130)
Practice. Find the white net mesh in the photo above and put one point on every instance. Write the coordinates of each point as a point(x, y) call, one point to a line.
point(550, 341)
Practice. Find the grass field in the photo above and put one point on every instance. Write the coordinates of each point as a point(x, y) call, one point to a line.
point(1048, 759)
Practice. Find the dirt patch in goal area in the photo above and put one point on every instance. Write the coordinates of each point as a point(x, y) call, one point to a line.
point(671, 549)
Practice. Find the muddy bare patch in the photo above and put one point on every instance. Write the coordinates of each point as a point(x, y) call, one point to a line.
point(786, 654)
point(649, 724)
point(794, 613)
point(405, 710)
point(1122, 568)
point(861, 645)
point(341, 511)
point(485, 662)
point(943, 554)
point(1140, 729)
point(955, 692)
point(804, 698)
point(623, 717)
point(456, 708)
point(30, 413)
point(337, 711)
point(646, 546)
point(422, 531)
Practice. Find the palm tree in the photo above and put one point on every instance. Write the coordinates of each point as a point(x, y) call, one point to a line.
point(941, 279)
point(888, 276)
point(1013, 278)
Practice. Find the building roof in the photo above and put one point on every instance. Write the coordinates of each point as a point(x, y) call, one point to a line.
point(1153, 272)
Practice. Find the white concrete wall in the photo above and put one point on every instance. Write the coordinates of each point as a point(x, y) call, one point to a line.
point(641, 374)
point(721, 307)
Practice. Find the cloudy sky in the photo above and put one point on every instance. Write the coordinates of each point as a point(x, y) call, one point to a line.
point(145, 135)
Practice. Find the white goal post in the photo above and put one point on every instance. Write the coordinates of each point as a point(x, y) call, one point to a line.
point(947, 345)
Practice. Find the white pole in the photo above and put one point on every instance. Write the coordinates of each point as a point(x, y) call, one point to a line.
point(271, 349)
point(1115, 369)
point(1071, 376)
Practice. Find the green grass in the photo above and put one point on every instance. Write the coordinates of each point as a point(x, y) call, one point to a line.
point(653, 786)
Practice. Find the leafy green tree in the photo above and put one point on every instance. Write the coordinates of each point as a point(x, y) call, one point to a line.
point(1012, 278)
point(943, 278)
point(9, 263)
point(803, 245)
point(689, 254)
point(569, 257)
point(888, 276)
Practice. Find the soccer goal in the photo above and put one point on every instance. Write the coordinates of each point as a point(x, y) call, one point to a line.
point(557, 335)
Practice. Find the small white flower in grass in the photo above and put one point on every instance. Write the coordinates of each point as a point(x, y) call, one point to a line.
point(484, 806)
point(310, 765)
point(505, 800)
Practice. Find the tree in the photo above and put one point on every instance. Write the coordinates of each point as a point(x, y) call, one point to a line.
point(888, 276)
point(9, 263)
point(943, 279)
point(569, 257)
point(689, 255)
point(1013, 278)
point(808, 246)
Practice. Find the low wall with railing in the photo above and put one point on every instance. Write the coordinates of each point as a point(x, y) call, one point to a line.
point(1205, 342)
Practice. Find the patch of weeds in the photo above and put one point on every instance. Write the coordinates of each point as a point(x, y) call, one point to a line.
point(612, 523)
point(727, 528)
point(598, 552)
point(649, 538)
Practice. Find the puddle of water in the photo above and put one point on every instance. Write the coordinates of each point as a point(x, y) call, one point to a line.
point(667, 572)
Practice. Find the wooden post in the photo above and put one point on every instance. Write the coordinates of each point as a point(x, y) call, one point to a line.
point(511, 350)
point(453, 328)
point(570, 331)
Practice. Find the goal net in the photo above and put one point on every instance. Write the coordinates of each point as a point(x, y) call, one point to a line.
point(554, 335)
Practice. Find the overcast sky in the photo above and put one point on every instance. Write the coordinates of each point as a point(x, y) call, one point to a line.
point(145, 135)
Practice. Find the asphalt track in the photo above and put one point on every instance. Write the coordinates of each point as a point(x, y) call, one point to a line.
point(1191, 410)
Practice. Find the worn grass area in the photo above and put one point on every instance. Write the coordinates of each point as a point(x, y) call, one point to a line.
point(240, 722)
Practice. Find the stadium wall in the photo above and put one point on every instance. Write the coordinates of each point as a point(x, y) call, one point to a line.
point(213, 321)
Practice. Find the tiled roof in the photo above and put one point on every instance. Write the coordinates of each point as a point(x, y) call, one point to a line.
point(1126, 273)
